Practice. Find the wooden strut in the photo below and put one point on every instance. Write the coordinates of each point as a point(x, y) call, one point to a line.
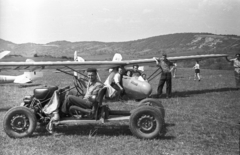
point(151, 77)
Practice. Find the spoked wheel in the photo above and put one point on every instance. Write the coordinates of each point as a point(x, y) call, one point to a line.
point(19, 122)
point(146, 122)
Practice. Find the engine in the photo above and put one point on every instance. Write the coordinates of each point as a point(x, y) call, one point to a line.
point(40, 96)
point(27, 100)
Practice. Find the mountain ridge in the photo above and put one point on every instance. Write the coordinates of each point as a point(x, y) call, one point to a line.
point(172, 44)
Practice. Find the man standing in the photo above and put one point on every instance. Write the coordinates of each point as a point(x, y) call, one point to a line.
point(166, 75)
point(236, 64)
point(93, 86)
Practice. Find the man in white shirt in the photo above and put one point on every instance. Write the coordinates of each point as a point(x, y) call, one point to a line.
point(117, 81)
point(174, 69)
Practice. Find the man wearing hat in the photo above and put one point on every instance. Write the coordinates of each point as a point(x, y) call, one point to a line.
point(93, 86)
point(166, 76)
point(236, 64)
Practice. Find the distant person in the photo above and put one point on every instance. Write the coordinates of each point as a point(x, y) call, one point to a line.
point(144, 77)
point(129, 73)
point(166, 76)
point(174, 69)
point(197, 71)
point(236, 64)
point(136, 72)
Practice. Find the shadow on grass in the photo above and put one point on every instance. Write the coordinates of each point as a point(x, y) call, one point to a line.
point(179, 77)
point(92, 130)
point(195, 92)
point(169, 124)
point(5, 109)
point(21, 85)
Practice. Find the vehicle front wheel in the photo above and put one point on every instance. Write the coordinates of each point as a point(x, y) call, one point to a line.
point(19, 122)
point(146, 122)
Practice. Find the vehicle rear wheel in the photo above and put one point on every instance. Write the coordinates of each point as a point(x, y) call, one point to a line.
point(19, 122)
point(153, 102)
point(146, 122)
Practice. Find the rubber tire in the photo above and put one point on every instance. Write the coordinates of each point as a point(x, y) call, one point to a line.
point(155, 103)
point(19, 110)
point(146, 110)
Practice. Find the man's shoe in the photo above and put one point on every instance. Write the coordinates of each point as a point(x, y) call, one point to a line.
point(49, 128)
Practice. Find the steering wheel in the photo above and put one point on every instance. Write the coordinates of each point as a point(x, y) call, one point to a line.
point(80, 85)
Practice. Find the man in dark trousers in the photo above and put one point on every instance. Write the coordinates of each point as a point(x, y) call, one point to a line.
point(236, 64)
point(166, 76)
point(93, 86)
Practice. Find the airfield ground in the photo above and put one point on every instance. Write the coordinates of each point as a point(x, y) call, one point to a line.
point(202, 118)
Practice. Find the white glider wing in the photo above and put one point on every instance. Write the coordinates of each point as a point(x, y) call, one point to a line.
point(148, 62)
point(63, 65)
point(50, 65)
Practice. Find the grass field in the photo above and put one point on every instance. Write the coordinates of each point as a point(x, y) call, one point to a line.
point(202, 118)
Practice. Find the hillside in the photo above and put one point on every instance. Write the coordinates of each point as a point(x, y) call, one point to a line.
point(173, 44)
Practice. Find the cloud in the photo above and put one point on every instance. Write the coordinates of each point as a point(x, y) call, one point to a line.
point(147, 11)
point(226, 5)
point(105, 9)
point(134, 21)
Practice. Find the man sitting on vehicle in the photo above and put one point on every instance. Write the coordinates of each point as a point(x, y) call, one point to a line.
point(93, 86)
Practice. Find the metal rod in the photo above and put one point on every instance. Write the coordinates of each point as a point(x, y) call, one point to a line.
point(153, 74)
point(117, 112)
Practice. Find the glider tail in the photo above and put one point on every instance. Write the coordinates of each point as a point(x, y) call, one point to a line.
point(117, 57)
point(3, 54)
point(27, 77)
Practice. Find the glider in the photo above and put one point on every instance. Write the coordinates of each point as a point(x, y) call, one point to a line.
point(26, 77)
point(146, 121)
point(135, 88)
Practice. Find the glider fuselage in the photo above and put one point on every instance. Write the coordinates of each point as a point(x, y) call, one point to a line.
point(135, 88)
point(7, 79)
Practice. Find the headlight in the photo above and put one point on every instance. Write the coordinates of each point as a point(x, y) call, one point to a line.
point(27, 99)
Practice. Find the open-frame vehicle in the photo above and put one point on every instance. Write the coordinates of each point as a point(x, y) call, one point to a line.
point(145, 121)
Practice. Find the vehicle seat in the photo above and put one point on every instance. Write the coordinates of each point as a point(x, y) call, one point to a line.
point(44, 93)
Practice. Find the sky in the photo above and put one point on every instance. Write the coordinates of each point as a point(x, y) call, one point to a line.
point(43, 21)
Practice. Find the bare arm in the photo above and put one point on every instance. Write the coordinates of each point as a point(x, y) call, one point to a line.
point(119, 86)
point(156, 59)
point(229, 60)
